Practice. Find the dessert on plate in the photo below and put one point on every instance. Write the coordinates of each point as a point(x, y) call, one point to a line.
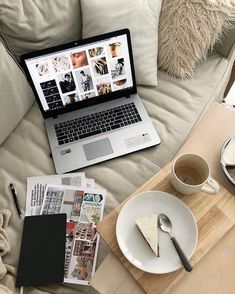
point(148, 226)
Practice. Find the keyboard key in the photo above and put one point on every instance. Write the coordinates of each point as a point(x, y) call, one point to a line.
point(90, 134)
point(62, 138)
point(119, 117)
point(115, 127)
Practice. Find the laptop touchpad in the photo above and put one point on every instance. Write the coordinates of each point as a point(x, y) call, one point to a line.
point(97, 149)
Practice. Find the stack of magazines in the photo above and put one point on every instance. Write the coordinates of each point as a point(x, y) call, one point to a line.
point(74, 195)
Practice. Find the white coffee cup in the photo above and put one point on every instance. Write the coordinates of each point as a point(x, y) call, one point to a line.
point(190, 173)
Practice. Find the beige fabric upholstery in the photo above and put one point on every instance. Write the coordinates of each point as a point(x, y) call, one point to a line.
point(174, 105)
point(141, 17)
point(36, 24)
point(16, 96)
point(188, 30)
point(226, 42)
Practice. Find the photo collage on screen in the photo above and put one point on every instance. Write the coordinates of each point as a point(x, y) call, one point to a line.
point(82, 73)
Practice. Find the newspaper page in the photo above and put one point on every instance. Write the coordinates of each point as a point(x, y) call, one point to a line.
point(36, 187)
point(84, 208)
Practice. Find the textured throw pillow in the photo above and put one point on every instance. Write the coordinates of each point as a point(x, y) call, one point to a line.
point(16, 96)
point(35, 24)
point(188, 29)
point(140, 16)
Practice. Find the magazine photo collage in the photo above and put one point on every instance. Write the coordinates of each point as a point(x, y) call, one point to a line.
point(84, 209)
point(79, 74)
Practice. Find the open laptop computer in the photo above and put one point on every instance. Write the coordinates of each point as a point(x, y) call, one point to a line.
point(87, 93)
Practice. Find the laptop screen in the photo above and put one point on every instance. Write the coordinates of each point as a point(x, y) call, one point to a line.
point(73, 75)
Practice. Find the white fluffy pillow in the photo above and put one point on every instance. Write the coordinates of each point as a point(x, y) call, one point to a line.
point(188, 29)
point(140, 16)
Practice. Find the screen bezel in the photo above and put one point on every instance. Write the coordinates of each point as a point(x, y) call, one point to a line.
point(91, 101)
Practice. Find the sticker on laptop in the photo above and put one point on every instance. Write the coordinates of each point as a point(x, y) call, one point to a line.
point(137, 140)
point(65, 151)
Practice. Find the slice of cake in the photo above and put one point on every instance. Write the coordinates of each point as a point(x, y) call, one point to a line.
point(148, 227)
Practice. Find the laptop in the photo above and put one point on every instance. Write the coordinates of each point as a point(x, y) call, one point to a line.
point(87, 93)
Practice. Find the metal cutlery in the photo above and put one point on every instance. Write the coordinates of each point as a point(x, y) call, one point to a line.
point(165, 225)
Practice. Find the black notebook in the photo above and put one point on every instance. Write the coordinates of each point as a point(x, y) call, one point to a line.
point(42, 253)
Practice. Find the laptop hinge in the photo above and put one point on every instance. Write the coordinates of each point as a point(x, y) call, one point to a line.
point(128, 96)
point(54, 116)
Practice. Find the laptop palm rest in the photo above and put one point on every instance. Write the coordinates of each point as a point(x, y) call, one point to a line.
point(97, 149)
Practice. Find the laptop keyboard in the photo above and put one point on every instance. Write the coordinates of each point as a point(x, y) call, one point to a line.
point(97, 123)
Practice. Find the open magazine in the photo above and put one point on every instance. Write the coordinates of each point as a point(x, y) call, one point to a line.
point(84, 207)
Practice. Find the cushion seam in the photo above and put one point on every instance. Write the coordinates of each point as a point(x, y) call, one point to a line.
point(151, 160)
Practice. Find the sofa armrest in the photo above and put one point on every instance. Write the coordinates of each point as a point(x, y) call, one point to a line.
point(226, 45)
point(16, 96)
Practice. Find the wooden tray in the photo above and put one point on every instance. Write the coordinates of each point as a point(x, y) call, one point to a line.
point(214, 215)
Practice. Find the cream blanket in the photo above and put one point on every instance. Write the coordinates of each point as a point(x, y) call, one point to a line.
point(7, 273)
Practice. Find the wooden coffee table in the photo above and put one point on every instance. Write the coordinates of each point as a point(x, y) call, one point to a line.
point(215, 217)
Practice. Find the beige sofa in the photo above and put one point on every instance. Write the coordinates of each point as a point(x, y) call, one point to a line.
point(174, 106)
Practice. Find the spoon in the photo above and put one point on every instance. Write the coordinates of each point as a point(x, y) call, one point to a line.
point(165, 225)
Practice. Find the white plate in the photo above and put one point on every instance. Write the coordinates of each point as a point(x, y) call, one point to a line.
point(137, 250)
point(225, 168)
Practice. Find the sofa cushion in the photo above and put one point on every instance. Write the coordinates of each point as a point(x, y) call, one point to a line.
point(16, 96)
point(188, 30)
point(141, 17)
point(34, 24)
point(176, 105)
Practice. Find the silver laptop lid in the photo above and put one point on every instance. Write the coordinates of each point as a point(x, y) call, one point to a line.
point(81, 73)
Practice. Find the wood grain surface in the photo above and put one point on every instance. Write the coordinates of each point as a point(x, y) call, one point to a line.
point(214, 215)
